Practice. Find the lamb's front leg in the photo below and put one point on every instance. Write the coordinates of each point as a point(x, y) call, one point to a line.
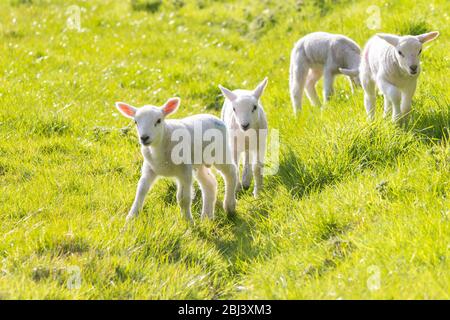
point(258, 165)
point(246, 172)
point(144, 184)
point(387, 107)
point(328, 81)
point(393, 94)
point(184, 193)
point(405, 105)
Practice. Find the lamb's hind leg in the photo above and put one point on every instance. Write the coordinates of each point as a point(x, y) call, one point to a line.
point(369, 97)
point(208, 184)
point(299, 73)
point(311, 81)
point(184, 194)
point(230, 176)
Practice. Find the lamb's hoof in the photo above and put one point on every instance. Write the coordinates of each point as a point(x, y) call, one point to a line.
point(207, 216)
point(230, 208)
point(245, 186)
point(130, 217)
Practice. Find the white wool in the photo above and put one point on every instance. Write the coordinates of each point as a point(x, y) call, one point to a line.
point(157, 145)
point(245, 118)
point(392, 63)
point(317, 54)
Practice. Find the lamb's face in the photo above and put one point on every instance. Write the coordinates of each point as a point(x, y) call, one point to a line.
point(408, 53)
point(245, 109)
point(245, 105)
point(149, 124)
point(408, 49)
point(149, 119)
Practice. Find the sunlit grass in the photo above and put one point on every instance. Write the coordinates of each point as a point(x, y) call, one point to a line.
point(357, 210)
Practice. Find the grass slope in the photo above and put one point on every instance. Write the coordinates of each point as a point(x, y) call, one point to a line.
point(357, 210)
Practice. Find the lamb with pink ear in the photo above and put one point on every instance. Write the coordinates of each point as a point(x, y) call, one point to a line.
point(392, 63)
point(182, 149)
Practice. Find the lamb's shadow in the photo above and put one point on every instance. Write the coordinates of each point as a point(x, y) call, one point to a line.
point(301, 179)
point(238, 245)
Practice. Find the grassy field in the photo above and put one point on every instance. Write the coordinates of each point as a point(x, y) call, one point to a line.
point(357, 209)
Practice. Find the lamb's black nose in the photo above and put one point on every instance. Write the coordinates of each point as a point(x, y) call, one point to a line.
point(413, 68)
point(144, 139)
point(245, 126)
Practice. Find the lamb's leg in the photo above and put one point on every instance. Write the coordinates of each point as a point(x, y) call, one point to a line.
point(208, 184)
point(246, 172)
point(311, 81)
point(328, 80)
point(352, 85)
point(144, 184)
point(394, 97)
point(258, 165)
point(406, 101)
point(230, 176)
point(184, 194)
point(387, 107)
point(369, 97)
point(236, 159)
point(299, 73)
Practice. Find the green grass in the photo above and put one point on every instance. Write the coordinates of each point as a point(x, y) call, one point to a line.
point(357, 210)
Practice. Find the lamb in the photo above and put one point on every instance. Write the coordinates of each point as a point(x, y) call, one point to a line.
point(322, 53)
point(245, 119)
point(392, 63)
point(158, 146)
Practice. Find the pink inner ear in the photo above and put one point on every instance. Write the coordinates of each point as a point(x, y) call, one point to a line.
point(429, 36)
point(125, 108)
point(171, 105)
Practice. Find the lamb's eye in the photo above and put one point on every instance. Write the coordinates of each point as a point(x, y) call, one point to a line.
point(400, 53)
point(420, 51)
point(254, 108)
point(234, 109)
point(157, 122)
point(135, 122)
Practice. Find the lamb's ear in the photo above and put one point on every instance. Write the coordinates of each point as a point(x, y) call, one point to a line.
point(171, 106)
point(125, 109)
point(228, 93)
point(260, 88)
point(349, 72)
point(426, 37)
point(389, 38)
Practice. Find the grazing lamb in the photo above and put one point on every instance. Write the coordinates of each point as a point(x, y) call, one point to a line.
point(321, 53)
point(392, 63)
point(246, 122)
point(158, 146)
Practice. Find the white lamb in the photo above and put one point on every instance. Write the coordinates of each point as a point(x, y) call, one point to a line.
point(156, 136)
point(246, 122)
point(392, 63)
point(317, 54)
